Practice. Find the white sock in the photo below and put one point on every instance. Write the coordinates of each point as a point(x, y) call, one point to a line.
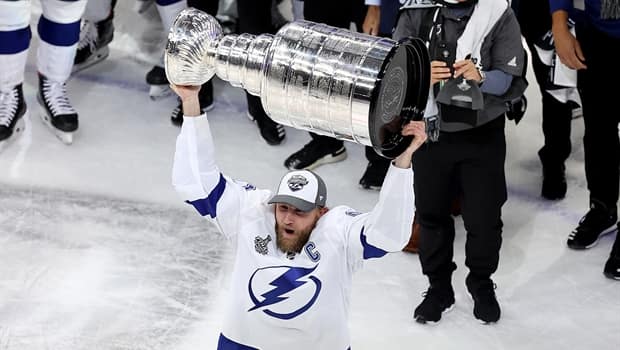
point(12, 69)
point(55, 62)
point(169, 12)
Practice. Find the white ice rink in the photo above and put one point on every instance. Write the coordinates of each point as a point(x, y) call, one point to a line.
point(98, 252)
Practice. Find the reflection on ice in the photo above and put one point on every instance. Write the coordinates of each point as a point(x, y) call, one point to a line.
point(83, 272)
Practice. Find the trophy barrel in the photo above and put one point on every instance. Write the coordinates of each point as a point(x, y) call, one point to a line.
point(346, 85)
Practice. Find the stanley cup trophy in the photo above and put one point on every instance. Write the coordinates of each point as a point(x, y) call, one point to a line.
point(311, 76)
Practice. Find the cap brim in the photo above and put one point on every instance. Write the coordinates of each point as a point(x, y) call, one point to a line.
point(294, 201)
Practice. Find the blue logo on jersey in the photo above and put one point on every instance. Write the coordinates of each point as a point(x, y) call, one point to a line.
point(289, 282)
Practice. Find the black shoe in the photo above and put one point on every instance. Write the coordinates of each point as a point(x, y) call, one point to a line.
point(157, 76)
point(93, 45)
point(482, 291)
point(612, 267)
point(314, 154)
point(272, 132)
point(374, 175)
point(12, 109)
point(598, 222)
point(437, 300)
point(205, 96)
point(554, 179)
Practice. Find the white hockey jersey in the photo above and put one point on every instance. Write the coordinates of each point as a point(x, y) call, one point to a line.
point(279, 301)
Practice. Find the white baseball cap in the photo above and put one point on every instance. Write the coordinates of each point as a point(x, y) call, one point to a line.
point(302, 189)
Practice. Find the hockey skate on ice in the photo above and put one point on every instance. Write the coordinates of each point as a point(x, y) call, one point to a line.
point(12, 113)
point(93, 44)
point(159, 86)
point(57, 112)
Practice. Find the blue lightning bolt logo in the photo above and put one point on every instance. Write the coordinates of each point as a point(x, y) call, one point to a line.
point(285, 283)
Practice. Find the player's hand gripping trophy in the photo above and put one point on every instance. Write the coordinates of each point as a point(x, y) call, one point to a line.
point(311, 76)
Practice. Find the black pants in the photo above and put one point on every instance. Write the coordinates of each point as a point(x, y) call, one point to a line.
point(600, 113)
point(535, 21)
point(471, 162)
point(556, 118)
point(255, 18)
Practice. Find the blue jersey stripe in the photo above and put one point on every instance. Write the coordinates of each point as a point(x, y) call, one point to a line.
point(208, 205)
point(59, 34)
point(226, 344)
point(370, 251)
point(14, 41)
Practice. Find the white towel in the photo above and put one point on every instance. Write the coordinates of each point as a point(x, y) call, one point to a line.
point(485, 15)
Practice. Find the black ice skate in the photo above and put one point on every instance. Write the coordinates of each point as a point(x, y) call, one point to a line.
point(159, 85)
point(12, 112)
point(57, 112)
point(93, 45)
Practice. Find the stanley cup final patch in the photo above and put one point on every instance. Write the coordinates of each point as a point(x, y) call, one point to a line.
point(260, 244)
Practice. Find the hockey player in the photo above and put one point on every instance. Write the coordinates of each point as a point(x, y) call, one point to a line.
point(295, 257)
point(59, 30)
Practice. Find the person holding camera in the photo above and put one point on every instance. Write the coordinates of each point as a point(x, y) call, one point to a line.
point(477, 66)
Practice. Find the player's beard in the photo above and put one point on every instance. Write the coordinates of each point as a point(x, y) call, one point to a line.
point(295, 243)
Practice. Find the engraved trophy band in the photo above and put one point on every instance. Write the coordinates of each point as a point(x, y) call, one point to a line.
point(311, 76)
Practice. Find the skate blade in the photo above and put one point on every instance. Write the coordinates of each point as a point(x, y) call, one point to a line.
point(96, 57)
point(65, 136)
point(158, 92)
point(19, 128)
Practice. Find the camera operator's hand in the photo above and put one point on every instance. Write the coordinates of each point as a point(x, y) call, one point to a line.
point(417, 129)
point(467, 69)
point(189, 98)
point(439, 72)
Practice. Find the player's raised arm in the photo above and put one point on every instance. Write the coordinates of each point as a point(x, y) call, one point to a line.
point(196, 176)
point(387, 227)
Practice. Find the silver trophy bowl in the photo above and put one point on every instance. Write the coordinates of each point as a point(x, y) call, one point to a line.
point(311, 76)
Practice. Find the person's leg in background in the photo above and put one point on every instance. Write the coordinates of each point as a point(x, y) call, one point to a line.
point(601, 144)
point(255, 18)
point(156, 77)
point(434, 172)
point(59, 30)
point(483, 186)
point(15, 38)
point(535, 22)
point(96, 32)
